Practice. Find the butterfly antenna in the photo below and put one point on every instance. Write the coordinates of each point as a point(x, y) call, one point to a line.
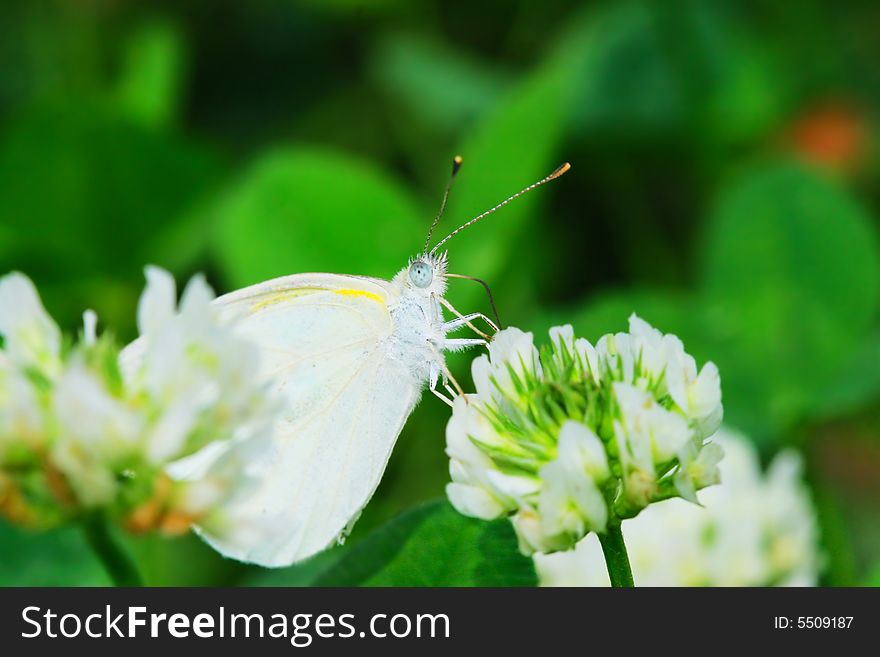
point(553, 176)
point(456, 165)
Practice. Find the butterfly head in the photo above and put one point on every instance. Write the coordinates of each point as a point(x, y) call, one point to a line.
point(426, 273)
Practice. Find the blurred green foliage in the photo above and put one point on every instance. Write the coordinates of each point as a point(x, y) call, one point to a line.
point(724, 187)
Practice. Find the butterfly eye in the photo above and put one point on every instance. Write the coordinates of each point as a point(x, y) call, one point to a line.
point(421, 274)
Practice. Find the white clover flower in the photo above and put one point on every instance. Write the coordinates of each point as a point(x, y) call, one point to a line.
point(756, 529)
point(94, 429)
point(572, 438)
point(192, 370)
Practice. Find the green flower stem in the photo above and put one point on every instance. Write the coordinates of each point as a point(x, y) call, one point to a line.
point(616, 558)
point(116, 561)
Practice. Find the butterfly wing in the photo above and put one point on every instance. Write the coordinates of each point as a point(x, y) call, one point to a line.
point(322, 340)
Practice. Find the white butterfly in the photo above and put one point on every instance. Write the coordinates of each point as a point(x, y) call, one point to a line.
point(350, 356)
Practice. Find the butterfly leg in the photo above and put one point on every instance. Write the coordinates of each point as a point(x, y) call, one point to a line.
point(446, 400)
point(438, 367)
point(466, 320)
point(433, 376)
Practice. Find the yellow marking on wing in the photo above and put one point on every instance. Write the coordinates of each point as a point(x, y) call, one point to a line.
point(362, 293)
point(284, 295)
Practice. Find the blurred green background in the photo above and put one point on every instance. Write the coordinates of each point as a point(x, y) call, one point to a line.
point(724, 185)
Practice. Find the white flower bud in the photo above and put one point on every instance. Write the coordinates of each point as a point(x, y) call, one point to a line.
point(474, 501)
point(90, 328)
point(510, 351)
point(530, 532)
point(698, 468)
point(616, 356)
point(157, 304)
point(564, 342)
point(650, 348)
point(581, 451)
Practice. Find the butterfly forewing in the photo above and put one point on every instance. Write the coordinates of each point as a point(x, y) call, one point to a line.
point(321, 340)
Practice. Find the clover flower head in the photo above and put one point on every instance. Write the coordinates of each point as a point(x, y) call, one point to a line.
point(756, 529)
point(87, 428)
point(570, 437)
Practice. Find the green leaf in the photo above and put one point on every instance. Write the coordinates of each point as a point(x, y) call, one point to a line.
point(184, 560)
point(59, 557)
point(441, 85)
point(103, 212)
point(300, 210)
point(304, 573)
point(790, 284)
point(433, 545)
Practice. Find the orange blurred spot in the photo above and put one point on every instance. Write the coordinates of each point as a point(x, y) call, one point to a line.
point(157, 513)
point(834, 136)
